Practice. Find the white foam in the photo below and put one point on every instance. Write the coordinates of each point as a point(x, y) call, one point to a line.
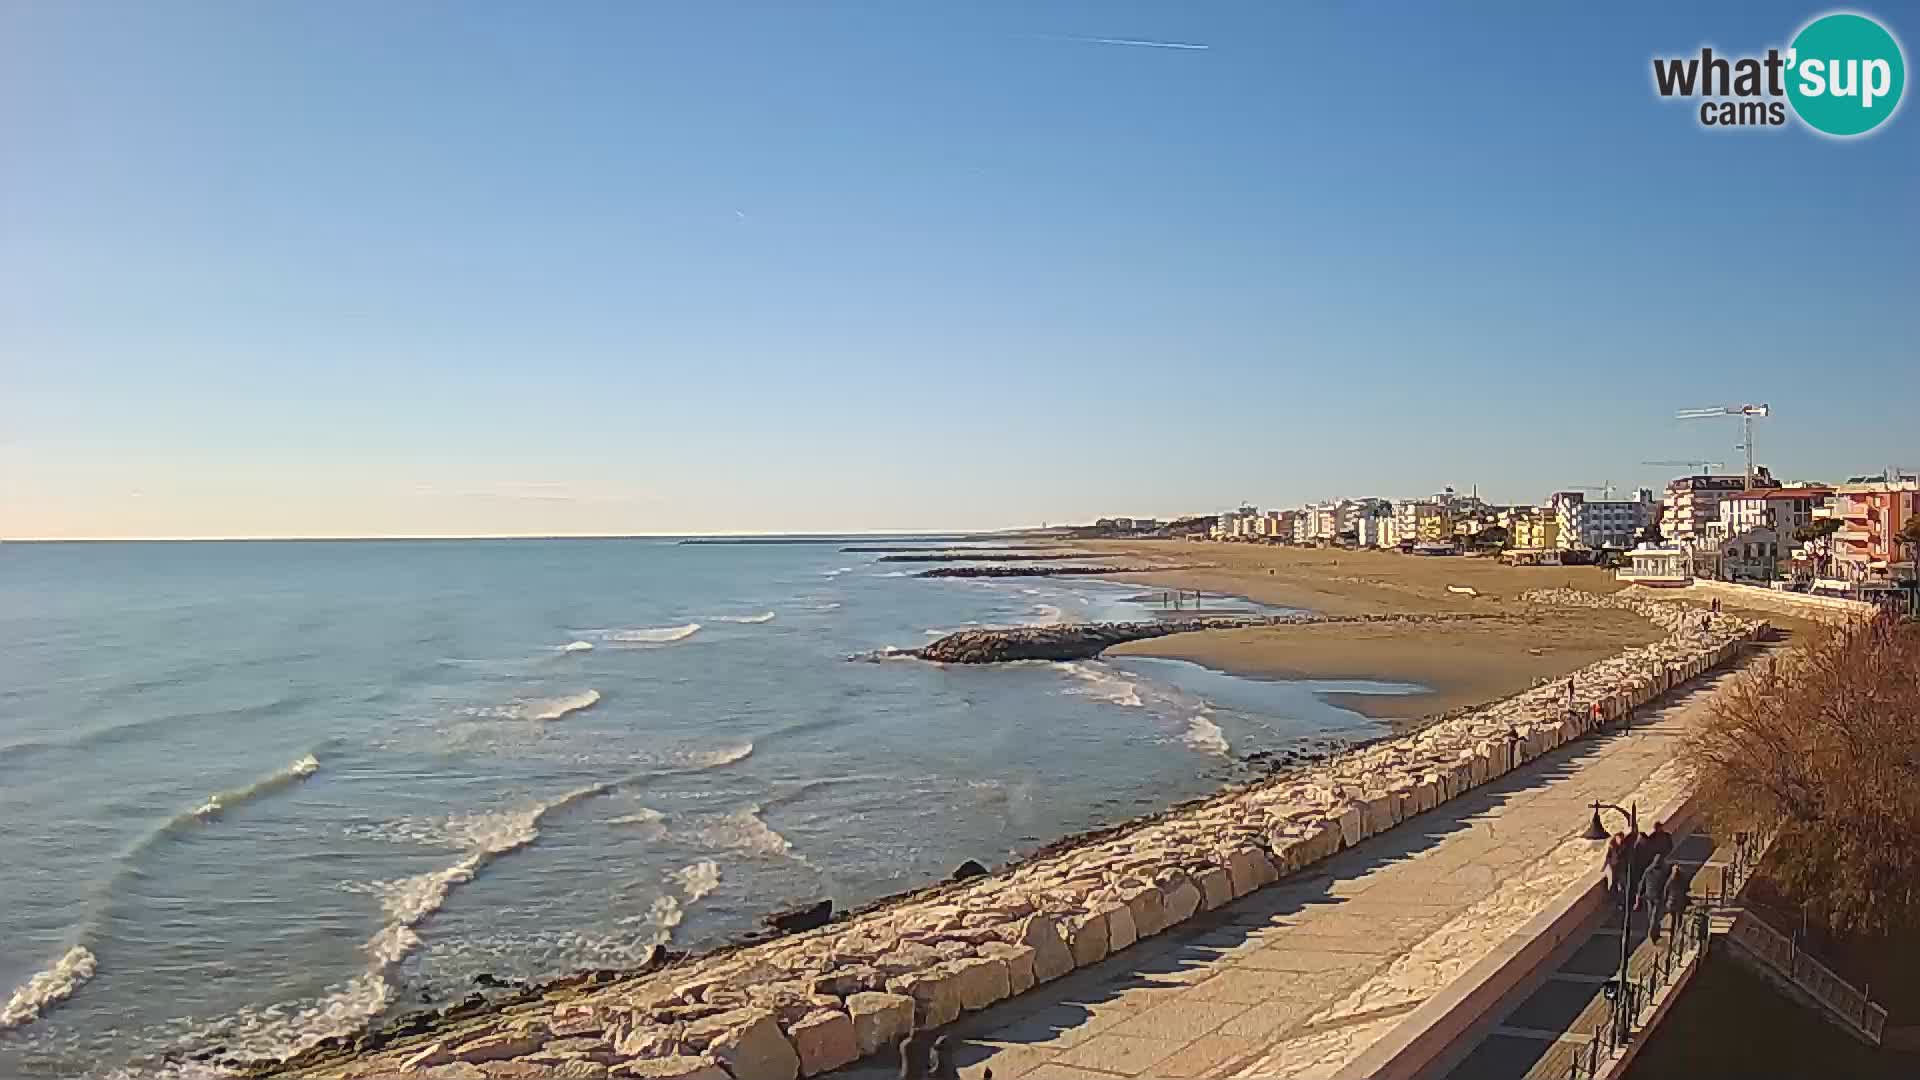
point(653, 635)
point(713, 759)
point(555, 708)
point(837, 573)
point(48, 987)
point(575, 646)
point(743, 830)
point(1103, 684)
point(892, 573)
point(1048, 615)
point(406, 902)
point(698, 879)
point(646, 816)
point(304, 766)
point(1205, 735)
point(763, 617)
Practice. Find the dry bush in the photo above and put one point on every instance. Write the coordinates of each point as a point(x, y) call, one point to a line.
point(1824, 745)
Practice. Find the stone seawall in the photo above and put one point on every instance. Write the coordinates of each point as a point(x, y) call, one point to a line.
point(821, 999)
point(1824, 609)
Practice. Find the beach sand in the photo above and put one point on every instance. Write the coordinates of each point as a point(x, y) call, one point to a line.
point(1462, 663)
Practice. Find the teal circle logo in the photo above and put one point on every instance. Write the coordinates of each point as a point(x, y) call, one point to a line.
point(1845, 73)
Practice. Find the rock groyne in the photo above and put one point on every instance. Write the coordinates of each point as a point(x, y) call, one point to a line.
point(1080, 641)
point(821, 999)
point(1040, 571)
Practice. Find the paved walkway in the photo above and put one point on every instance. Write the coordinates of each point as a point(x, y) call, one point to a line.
point(1544, 1033)
point(1299, 978)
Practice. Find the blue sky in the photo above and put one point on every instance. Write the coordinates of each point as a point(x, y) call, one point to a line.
point(368, 269)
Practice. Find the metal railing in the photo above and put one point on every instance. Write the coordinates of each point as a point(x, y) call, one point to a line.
point(1614, 1027)
point(1781, 952)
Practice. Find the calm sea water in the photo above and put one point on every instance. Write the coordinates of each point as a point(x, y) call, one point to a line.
point(257, 793)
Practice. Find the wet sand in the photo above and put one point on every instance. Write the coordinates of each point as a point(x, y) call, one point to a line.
point(1462, 663)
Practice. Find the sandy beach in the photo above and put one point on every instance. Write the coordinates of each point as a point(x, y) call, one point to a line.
point(1461, 663)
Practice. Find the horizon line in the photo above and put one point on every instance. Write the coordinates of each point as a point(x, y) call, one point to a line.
point(344, 538)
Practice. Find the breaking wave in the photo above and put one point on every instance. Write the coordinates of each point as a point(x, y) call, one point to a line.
point(1205, 735)
point(742, 830)
point(713, 759)
point(837, 573)
point(575, 646)
point(763, 617)
point(654, 635)
point(220, 802)
point(552, 708)
point(1103, 684)
point(52, 986)
point(280, 1031)
point(698, 879)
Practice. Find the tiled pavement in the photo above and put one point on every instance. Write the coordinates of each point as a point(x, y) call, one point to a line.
point(1299, 978)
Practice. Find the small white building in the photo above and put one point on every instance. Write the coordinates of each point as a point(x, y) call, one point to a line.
point(1665, 564)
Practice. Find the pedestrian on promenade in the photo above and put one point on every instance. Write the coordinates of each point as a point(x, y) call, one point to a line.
point(1654, 888)
point(1677, 899)
point(1657, 844)
point(1617, 865)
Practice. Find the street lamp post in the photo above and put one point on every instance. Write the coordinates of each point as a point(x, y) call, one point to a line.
point(1597, 831)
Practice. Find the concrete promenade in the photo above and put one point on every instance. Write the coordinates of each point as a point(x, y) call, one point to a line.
point(1300, 978)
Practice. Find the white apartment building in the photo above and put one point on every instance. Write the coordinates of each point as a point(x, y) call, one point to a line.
point(1784, 509)
point(1594, 524)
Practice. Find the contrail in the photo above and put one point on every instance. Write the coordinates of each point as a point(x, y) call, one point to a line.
point(1135, 42)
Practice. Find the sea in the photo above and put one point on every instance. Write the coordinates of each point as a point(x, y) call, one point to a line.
point(259, 793)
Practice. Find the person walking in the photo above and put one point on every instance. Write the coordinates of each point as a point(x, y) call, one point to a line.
point(1656, 845)
point(1654, 888)
point(1677, 899)
point(1616, 865)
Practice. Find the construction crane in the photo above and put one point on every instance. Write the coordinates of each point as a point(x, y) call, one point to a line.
point(1746, 413)
point(1606, 490)
point(1697, 466)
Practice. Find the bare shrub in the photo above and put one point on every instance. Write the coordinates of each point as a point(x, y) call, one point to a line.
point(1824, 745)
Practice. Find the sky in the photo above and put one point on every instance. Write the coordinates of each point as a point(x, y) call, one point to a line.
point(365, 269)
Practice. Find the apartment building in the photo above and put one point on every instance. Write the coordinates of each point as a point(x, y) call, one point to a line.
point(1866, 548)
point(1691, 502)
point(1594, 524)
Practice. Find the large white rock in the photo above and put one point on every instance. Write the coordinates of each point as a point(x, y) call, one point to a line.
point(935, 993)
point(824, 1041)
point(1087, 936)
point(981, 981)
point(1216, 887)
point(1148, 907)
point(1181, 901)
point(1051, 957)
point(1019, 961)
point(1120, 929)
point(756, 1050)
point(879, 1019)
point(666, 1068)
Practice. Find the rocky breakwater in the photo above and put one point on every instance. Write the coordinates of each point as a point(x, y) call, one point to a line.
point(1026, 570)
point(1067, 641)
point(814, 1001)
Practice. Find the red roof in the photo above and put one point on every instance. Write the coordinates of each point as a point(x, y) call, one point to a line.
point(1785, 493)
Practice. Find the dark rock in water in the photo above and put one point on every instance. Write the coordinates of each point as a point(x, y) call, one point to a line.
point(806, 918)
point(969, 869)
point(1040, 571)
point(1063, 641)
point(494, 982)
